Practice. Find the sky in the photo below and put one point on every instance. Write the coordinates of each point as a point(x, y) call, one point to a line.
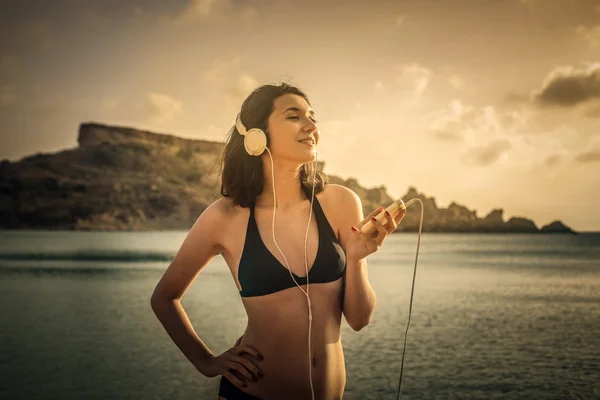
point(487, 103)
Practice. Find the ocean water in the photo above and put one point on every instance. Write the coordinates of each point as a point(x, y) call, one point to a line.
point(495, 316)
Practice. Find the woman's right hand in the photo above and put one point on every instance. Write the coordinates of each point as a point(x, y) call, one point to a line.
point(236, 365)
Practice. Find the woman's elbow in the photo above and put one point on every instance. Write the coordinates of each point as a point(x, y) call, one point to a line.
point(154, 301)
point(359, 325)
point(158, 300)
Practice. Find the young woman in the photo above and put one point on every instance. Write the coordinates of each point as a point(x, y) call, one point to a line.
point(303, 261)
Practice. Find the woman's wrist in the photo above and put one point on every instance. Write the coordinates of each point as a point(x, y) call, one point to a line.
point(206, 366)
point(350, 257)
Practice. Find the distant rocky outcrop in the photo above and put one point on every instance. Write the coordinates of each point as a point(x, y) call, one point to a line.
point(126, 179)
point(556, 227)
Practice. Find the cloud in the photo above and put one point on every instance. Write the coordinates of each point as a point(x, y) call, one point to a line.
point(414, 77)
point(476, 125)
point(161, 108)
point(230, 83)
point(569, 86)
point(199, 9)
point(450, 123)
point(552, 160)
point(221, 70)
point(456, 82)
point(242, 88)
point(563, 108)
point(588, 157)
point(487, 154)
point(486, 133)
point(552, 146)
point(7, 95)
point(205, 10)
point(347, 138)
point(154, 108)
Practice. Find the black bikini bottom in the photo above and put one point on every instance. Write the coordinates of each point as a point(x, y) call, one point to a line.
point(229, 391)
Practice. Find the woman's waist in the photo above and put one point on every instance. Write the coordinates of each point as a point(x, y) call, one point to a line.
point(291, 335)
point(291, 345)
point(286, 365)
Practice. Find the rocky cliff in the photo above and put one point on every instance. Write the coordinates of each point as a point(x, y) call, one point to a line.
point(127, 179)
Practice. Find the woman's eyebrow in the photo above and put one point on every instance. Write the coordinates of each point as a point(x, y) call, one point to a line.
point(297, 110)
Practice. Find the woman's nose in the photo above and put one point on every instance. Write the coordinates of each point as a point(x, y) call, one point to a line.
point(310, 125)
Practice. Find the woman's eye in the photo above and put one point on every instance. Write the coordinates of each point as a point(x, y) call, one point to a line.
point(294, 117)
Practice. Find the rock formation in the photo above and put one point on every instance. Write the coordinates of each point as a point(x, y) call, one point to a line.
point(127, 179)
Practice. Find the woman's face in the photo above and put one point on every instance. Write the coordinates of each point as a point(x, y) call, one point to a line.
point(292, 121)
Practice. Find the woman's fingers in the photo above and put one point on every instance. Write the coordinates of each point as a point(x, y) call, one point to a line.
point(391, 225)
point(251, 350)
point(381, 231)
point(374, 213)
point(236, 365)
point(370, 242)
point(400, 215)
point(368, 217)
point(249, 365)
point(235, 380)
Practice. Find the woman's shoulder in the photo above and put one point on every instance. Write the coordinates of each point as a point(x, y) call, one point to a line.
point(224, 213)
point(340, 196)
point(341, 204)
point(343, 208)
point(226, 209)
point(220, 219)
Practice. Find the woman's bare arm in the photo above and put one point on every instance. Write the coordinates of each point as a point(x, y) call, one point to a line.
point(200, 246)
point(359, 298)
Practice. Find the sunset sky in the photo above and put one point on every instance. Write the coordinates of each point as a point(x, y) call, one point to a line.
point(489, 103)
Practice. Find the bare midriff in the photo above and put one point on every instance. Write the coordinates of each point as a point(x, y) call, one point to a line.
point(278, 328)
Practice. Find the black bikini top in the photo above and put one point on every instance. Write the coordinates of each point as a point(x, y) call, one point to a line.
point(260, 273)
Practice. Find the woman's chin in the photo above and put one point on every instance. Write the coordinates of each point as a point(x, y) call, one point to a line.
point(312, 153)
point(304, 157)
point(312, 158)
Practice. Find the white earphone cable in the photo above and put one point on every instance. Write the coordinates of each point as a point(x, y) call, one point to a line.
point(305, 263)
point(412, 291)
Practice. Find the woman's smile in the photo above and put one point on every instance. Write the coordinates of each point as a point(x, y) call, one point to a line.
point(309, 142)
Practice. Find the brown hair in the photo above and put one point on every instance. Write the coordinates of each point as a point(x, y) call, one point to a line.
point(242, 176)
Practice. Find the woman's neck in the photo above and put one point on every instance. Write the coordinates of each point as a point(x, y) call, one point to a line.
point(288, 191)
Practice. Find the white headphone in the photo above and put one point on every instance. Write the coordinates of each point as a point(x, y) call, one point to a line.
point(255, 143)
point(255, 140)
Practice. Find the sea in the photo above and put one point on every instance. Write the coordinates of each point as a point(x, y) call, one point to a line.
point(494, 316)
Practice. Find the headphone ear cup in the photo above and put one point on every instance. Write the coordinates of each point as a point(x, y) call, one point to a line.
point(255, 142)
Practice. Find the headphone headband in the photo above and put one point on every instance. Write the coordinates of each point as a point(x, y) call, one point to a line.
point(239, 125)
